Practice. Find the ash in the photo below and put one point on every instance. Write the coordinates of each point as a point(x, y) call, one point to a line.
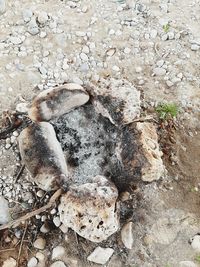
point(88, 141)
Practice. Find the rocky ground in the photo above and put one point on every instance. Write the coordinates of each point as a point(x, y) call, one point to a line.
point(153, 45)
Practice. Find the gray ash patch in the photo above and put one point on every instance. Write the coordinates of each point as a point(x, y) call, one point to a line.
point(89, 141)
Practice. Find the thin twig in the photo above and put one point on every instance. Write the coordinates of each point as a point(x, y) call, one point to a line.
point(6, 249)
point(20, 172)
point(20, 247)
point(147, 118)
point(29, 215)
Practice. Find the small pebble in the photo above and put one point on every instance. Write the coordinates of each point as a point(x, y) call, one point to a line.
point(195, 47)
point(39, 243)
point(58, 252)
point(44, 229)
point(32, 262)
point(127, 50)
point(40, 193)
point(159, 71)
point(115, 68)
point(56, 221)
point(43, 17)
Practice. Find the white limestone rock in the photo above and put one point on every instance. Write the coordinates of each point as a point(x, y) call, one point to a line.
point(118, 100)
point(90, 209)
point(100, 255)
point(55, 102)
point(153, 167)
point(43, 156)
point(4, 211)
point(127, 235)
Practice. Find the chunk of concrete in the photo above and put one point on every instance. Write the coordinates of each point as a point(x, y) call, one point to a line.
point(55, 102)
point(91, 209)
point(43, 156)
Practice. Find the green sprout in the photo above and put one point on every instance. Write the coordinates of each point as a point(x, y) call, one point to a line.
point(167, 111)
point(197, 258)
point(166, 28)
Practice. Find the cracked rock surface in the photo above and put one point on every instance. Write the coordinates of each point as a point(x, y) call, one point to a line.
point(91, 209)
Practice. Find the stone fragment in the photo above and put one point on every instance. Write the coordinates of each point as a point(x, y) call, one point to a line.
point(33, 28)
point(58, 264)
point(43, 156)
point(63, 228)
point(15, 40)
point(118, 100)
point(171, 35)
point(90, 209)
point(127, 235)
point(39, 243)
point(187, 264)
point(55, 102)
point(2, 6)
point(159, 71)
point(58, 252)
point(4, 214)
point(195, 243)
point(153, 33)
point(83, 56)
point(42, 17)
point(44, 228)
point(32, 262)
point(127, 50)
point(27, 14)
point(40, 256)
point(195, 47)
point(56, 221)
point(10, 262)
point(100, 255)
point(110, 52)
point(153, 167)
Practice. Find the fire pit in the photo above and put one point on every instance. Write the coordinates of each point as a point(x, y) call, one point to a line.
point(93, 149)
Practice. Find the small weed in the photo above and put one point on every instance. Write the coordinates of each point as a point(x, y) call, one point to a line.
point(167, 265)
point(197, 258)
point(166, 28)
point(167, 111)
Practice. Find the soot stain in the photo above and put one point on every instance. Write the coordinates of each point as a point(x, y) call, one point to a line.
point(90, 140)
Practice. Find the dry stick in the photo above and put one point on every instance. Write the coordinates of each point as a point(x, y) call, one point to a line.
point(20, 247)
point(20, 172)
point(33, 213)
